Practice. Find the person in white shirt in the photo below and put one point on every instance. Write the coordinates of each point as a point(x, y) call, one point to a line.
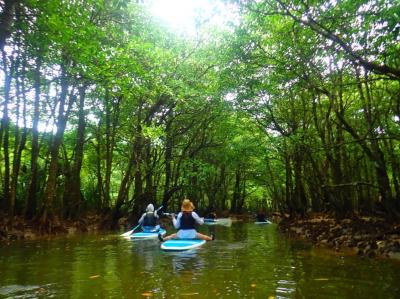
point(186, 222)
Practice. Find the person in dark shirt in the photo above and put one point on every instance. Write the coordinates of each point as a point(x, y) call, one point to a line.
point(211, 217)
point(149, 220)
point(261, 216)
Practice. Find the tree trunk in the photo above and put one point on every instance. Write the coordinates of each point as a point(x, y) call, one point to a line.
point(6, 18)
point(5, 131)
point(109, 151)
point(32, 189)
point(193, 192)
point(236, 192)
point(112, 118)
point(168, 160)
point(395, 169)
point(138, 204)
point(19, 142)
point(375, 155)
point(72, 194)
point(50, 190)
point(122, 193)
point(100, 187)
point(299, 194)
point(149, 190)
point(242, 197)
point(289, 185)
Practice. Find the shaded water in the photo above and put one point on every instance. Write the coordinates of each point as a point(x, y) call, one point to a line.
point(246, 261)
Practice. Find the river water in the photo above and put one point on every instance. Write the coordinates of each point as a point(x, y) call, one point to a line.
point(245, 261)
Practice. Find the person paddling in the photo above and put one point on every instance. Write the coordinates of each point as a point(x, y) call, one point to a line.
point(149, 219)
point(261, 216)
point(211, 216)
point(185, 223)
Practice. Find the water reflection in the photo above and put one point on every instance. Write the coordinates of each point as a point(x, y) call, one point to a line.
point(245, 261)
point(187, 261)
point(146, 252)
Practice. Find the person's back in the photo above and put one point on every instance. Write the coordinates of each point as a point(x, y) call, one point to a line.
point(149, 220)
point(261, 216)
point(211, 215)
point(187, 220)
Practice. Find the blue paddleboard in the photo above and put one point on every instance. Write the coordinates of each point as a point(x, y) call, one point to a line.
point(181, 244)
point(210, 221)
point(148, 235)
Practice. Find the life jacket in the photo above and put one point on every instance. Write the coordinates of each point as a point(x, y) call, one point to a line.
point(187, 221)
point(149, 219)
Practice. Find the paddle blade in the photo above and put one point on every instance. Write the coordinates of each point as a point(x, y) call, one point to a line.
point(127, 234)
point(224, 221)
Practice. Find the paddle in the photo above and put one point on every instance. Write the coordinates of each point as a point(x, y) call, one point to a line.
point(220, 221)
point(169, 214)
point(127, 234)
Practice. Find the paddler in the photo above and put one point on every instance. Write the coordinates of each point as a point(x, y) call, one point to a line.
point(185, 222)
point(149, 220)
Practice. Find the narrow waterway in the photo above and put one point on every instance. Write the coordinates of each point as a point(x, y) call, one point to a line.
point(246, 261)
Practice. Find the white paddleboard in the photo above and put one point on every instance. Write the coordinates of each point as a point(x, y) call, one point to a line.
point(148, 235)
point(181, 244)
point(263, 222)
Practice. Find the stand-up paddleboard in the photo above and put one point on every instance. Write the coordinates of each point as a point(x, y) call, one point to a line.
point(148, 235)
point(263, 222)
point(181, 244)
point(210, 221)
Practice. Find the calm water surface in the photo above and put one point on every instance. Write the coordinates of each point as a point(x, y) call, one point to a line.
point(246, 261)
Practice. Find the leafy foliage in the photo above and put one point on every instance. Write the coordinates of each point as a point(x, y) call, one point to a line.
point(295, 109)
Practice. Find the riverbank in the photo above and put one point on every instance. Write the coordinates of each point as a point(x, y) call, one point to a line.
point(364, 236)
point(21, 229)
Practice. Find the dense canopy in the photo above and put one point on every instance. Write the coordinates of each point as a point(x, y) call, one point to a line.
point(293, 107)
